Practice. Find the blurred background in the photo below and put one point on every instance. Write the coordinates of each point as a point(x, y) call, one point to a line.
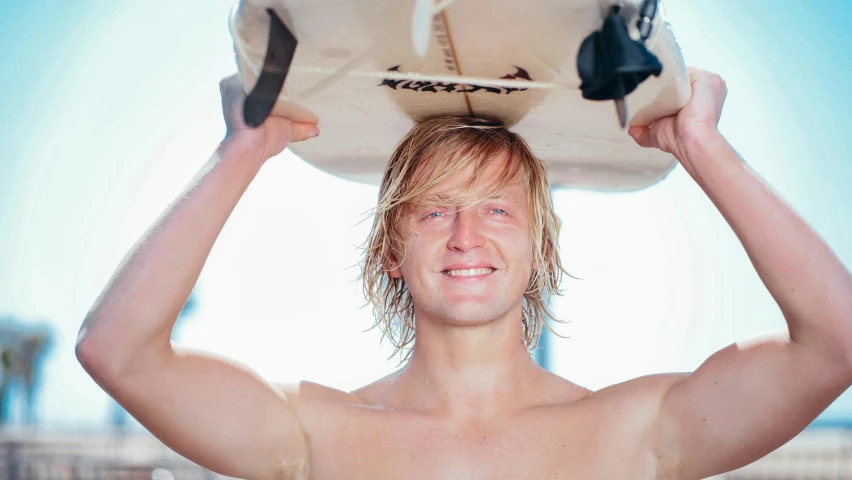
point(108, 108)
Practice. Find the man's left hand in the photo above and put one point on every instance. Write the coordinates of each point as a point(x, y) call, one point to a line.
point(696, 120)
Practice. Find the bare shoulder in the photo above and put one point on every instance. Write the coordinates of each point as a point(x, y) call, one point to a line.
point(314, 394)
point(290, 391)
point(556, 390)
point(637, 391)
point(649, 388)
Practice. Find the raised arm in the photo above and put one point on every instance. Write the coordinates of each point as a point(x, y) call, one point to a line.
point(751, 397)
point(213, 411)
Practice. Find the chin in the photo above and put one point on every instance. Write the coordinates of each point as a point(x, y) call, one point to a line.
point(470, 314)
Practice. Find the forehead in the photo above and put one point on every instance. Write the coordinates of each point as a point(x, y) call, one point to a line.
point(479, 180)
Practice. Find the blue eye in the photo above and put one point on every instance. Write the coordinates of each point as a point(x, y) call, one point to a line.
point(499, 211)
point(434, 214)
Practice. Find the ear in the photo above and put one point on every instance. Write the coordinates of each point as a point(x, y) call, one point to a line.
point(393, 267)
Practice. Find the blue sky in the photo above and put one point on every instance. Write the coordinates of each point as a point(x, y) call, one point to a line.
point(105, 120)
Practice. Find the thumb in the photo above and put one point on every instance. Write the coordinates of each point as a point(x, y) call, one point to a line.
point(642, 136)
point(303, 131)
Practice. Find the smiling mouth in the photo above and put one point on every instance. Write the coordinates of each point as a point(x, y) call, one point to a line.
point(470, 272)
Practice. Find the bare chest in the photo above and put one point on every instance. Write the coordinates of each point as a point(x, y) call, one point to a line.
point(567, 443)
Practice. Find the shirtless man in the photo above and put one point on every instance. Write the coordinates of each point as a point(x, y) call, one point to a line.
point(470, 254)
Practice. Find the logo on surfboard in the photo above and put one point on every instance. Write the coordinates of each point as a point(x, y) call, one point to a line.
point(435, 87)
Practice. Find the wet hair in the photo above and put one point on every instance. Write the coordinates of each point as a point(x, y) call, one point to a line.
point(432, 151)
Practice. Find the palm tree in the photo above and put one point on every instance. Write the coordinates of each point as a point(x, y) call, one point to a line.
point(23, 346)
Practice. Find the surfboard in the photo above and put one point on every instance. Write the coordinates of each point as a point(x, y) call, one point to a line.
point(369, 69)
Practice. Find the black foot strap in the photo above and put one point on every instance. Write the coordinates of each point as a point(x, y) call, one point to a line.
point(611, 64)
point(279, 54)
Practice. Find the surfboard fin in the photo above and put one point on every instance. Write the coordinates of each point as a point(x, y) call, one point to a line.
point(280, 48)
point(612, 65)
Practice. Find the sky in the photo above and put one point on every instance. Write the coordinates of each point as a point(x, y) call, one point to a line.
point(110, 107)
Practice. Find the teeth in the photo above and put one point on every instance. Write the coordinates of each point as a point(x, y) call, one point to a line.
point(469, 272)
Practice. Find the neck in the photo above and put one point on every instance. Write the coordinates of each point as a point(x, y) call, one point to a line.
point(467, 371)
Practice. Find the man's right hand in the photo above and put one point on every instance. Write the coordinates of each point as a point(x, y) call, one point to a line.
point(268, 139)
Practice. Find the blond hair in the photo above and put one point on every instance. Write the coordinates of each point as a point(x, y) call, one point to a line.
point(432, 151)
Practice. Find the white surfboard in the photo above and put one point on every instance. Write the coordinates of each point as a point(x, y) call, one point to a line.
point(358, 69)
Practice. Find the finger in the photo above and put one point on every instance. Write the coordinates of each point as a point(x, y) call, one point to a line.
point(231, 89)
point(633, 131)
point(233, 97)
point(229, 81)
point(642, 136)
point(303, 131)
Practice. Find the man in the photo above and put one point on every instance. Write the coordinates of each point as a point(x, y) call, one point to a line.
point(464, 243)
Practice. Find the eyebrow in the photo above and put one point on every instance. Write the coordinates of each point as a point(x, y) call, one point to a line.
point(509, 197)
point(439, 198)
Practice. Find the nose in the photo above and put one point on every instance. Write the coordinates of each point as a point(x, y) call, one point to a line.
point(465, 234)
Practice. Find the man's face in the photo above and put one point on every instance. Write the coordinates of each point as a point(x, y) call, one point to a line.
point(468, 265)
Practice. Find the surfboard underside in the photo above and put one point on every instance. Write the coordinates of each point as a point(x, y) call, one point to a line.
point(356, 69)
